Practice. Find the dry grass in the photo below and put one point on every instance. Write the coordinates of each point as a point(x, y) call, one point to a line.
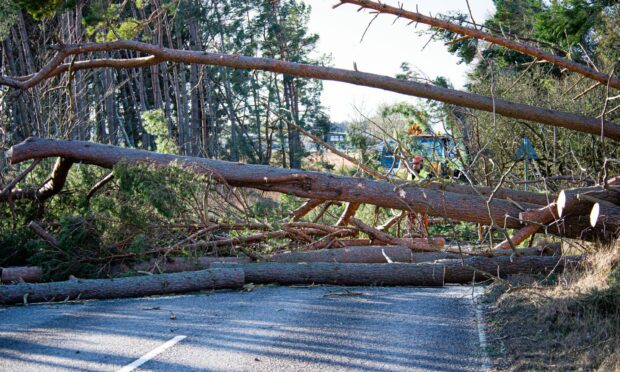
point(573, 324)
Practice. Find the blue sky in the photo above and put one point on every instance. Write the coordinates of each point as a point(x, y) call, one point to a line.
point(385, 46)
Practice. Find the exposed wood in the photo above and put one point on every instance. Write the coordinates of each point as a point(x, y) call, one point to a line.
point(575, 202)
point(20, 274)
point(391, 274)
point(305, 208)
point(537, 217)
point(391, 222)
point(307, 184)
point(149, 285)
point(491, 38)
point(56, 66)
point(605, 217)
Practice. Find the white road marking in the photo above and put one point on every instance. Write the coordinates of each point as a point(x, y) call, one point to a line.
point(482, 336)
point(151, 354)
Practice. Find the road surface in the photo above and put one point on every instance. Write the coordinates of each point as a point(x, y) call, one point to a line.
point(267, 329)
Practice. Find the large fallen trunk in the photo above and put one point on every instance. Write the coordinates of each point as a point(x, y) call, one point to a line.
point(179, 264)
point(578, 202)
point(384, 254)
point(605, 217)
point(306, 184)
point(122, 287)
point(398, 274)
point(20, 274)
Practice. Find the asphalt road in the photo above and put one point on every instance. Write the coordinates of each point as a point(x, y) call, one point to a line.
point(267, 329)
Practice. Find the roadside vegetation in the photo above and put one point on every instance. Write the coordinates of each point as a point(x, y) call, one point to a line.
point(489, 174)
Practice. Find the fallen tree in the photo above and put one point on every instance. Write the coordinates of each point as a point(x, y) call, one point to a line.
point(398, 274)
point(80, 289)
point(558, 60)
point(159, 54)
point(364, 254)
point(308, 184)
point(385, 254)
point(20, 274)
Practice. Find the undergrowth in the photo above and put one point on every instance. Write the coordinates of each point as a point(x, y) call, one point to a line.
point(573, 324)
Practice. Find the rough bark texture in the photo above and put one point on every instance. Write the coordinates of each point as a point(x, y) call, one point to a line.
point(296, 182)
point(179, 264)
point(459, 98)
point(19, 274)
point(392, 274)
point(123, 287)
point(377, 254)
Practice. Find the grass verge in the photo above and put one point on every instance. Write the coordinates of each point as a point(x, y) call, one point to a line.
point(570, 322)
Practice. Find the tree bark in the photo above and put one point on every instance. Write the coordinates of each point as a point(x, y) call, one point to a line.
point(605, 217)
point(122, 287)
point(398, 274)
point(20, 274)
point(578, 202)
point(459, 98)
point(295, 182)
point(180, 264)
point(377, 254)
point(493, 39)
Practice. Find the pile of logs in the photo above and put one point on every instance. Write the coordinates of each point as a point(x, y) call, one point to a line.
point(325, 254)
point(372, 265)
point(596, 207)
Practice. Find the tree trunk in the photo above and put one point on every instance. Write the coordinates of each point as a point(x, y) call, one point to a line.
point(578, 202)
point(605, 217)
point(20, 274)
point(122, 287)
point(179, 264)
point(306, 184)
point(397, 274)
point(459, 98)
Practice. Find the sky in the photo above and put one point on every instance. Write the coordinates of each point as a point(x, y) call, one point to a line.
point(384, 47)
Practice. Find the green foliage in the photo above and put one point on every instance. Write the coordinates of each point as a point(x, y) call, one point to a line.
point(9, 12)
point(108, 22)
point(161, 189)
point(40, 9)
point(156, 125)
point(411, 114)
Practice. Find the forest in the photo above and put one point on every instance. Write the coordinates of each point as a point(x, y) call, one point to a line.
point(187, 143)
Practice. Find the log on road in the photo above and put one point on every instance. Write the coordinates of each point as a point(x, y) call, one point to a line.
point(380, 254)
point(400, 274)
point(83, 289)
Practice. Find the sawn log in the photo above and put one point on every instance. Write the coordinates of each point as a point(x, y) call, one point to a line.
point(400, 274)
point(83, 289)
